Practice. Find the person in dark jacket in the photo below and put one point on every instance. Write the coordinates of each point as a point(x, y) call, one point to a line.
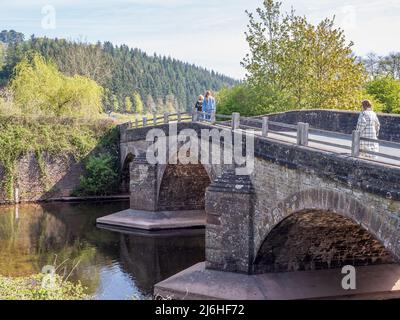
point(199, 103)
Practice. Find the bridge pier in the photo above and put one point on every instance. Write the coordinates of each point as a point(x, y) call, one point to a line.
point(162, 197)
point(229, 232)
point(143, 184)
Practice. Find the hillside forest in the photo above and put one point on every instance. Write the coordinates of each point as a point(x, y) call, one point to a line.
point(131, 81)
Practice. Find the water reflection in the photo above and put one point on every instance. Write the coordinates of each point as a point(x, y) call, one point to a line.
point(111, 264)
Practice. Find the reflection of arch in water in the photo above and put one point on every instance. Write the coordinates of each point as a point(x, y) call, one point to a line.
point(316, 239)
point(150, 259)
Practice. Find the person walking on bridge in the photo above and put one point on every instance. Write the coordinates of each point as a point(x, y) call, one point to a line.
point(209, 105)
point(369, 127)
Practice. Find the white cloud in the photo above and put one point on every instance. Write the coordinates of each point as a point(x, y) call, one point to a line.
point(206, 32)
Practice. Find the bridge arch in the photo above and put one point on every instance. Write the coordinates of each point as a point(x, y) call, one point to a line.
point(327, 212)
point(125, 173)
point(183, 186)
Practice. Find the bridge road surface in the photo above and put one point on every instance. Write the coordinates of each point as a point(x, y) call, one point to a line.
point(339, 139)
point(336, 138)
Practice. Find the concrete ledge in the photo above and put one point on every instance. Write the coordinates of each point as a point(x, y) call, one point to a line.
point(154, 234)
point(196, 282)
point(89, 198)
point(148, 220)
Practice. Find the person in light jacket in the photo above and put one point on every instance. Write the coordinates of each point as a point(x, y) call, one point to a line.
point(209, 104)
point(368, 124)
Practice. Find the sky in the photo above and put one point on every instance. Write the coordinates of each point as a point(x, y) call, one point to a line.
point(208, 33)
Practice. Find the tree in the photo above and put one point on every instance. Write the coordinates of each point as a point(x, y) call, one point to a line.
point(128, 105)
point(137, 103)
point(378, 66)
point(11, 36)
point(386, 90)
point(310, 66)
point(2, 54)
point(115, 103)
point(2, 57)
point(39, 87)
point(249, 100)
point(372, 64)
point(120, 69)
point(87, 60)
point(150, 104)
point(170, 104)
point(390, 65)
point(161, 106)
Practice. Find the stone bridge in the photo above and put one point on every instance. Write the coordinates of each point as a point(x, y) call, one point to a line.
point(300, 209)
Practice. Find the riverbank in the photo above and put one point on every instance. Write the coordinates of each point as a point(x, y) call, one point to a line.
point(90, 198)
point(44, 158)
point(110, 264)
point(124, 197)
point(40, 287)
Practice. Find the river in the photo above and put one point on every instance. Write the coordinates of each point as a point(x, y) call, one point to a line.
point(110, 264)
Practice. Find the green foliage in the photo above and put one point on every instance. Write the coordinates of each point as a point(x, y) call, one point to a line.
point(11, 36)
point(101, 167)
point(30, 288)
point(382, 66)
point(385, 90)
point(128, 105)
point(309, 66)
point(2, 62)
point(101, 177)
point(2, 55)
point(122, 71)
point(47, 136)
point(39, 87)
point(250, 101)
point(137, 103)
point(115, 103)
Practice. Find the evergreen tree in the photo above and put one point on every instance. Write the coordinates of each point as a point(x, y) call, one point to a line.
point(2, 55)
point(137, 103)
point(11, 36)
point(150, 104)
point(128, 105)
point(171, 104)
point(120, 70)
point(115, 103)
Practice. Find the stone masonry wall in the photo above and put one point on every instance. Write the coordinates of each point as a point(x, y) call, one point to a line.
point(315, 240)
point(282, 191)
point(61, 178)
point(183, 187)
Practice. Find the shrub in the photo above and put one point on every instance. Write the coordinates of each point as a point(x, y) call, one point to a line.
point(249, 100)
point(386, 90)
point(101, 176)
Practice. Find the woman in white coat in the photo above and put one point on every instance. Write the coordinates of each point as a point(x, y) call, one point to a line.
point(369, 126)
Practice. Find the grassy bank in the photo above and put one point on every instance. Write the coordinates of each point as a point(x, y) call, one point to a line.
point(37, 287)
